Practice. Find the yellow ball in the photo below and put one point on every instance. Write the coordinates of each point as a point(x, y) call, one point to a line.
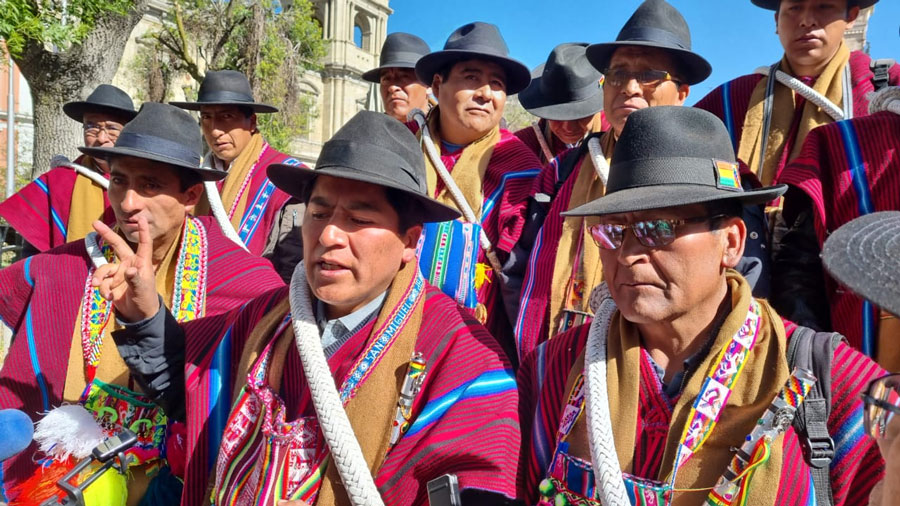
point(110, 489)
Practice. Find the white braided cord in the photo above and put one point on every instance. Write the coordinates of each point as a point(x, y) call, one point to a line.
point(218, 211)
point(346, 453)
point(435, 157)
point(542, 141)
point(885, 99)
point(806, 92)
point(604, 459)
point(62, 161)
point(600, 164)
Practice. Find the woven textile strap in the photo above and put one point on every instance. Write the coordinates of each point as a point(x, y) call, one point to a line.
point(604, 460)
point(548, 155)
point(333, 420)
point(460, 199)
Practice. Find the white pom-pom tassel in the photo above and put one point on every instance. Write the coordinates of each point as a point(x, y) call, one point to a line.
point(68, 430)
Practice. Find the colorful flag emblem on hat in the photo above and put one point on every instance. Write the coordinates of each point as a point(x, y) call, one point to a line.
point(729, 177)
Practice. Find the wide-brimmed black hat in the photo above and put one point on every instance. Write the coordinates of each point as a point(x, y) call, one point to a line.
point(400, 50)
point(568, 87)
point(864, 256)
point(669, 156)
point(225, 87)
point(372, 148)
point(657, 24)
point(161, 133)
point(480, 41)
point(772, 5)
point(105, 98)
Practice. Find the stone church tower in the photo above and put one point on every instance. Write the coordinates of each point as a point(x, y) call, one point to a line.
point(355, 29)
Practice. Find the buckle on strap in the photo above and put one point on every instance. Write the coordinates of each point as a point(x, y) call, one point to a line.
point(818, 451)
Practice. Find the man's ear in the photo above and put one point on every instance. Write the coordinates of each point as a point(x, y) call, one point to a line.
point(410, 241)
point(776, 21)
point(733, 232)
point(683, 91)
point(192, 196)
point(436, 85)
point(253, 123)
point(852, 15)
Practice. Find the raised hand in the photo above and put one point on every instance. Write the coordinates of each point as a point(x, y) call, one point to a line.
point(131, 283)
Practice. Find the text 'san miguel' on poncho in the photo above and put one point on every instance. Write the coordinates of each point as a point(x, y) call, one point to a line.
point(57, 207)
point(464, 419)
point(40, 300)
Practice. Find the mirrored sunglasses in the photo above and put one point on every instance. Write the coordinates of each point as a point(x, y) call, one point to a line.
point(648, 78)
point(650, 233)
point(882, 404)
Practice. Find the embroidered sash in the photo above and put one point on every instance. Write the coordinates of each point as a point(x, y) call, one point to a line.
point(448, 258)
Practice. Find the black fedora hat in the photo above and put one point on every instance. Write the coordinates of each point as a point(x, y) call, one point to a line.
point(225, 87)
point(372, 148)
point(669, 156)
point(657, 24)
point(161, 133)
point(400, 50)
point(772, 5)
point(481, 41)
point(864, 256)
point(105, 98)
point(567, 88)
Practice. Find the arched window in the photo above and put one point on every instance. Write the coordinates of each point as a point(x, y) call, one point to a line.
point(362, 31)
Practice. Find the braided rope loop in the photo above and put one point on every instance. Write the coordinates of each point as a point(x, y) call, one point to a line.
point(604, 460)
point(218, 211)
point(885, 99)
point(345, 450)
point(806, 92)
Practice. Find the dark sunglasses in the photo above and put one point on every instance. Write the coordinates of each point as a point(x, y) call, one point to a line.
point(648, 78)
point(650, 233)
point(882, 403)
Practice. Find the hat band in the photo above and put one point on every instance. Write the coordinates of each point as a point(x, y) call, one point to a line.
point(224, 96)
point(673, 171)
point(158, 146)
point(555, 91)
point(650, 34)
point(392, 58)
point(368, 158)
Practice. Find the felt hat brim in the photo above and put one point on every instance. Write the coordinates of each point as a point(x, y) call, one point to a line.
point(107, 153)
point(645, 198)
point(772, 5)
point(294, 180)
point(544, 107)
point(696, 68)
point(76, 110)
point(374, 75)
point(864, 256)
point(517, 74)
point(255, 106)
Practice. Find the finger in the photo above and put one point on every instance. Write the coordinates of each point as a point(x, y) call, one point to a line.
point(145, 242)
point(121, 248)
point(103, 272)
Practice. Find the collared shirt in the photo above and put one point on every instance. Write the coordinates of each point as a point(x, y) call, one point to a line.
point(337, 331)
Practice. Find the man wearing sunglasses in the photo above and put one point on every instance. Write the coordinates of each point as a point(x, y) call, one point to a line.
point(60, 206)
point(681, 363)
point(556, 264)
point(861, 255)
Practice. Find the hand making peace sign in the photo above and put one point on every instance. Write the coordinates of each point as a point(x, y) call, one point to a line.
point(131, 283)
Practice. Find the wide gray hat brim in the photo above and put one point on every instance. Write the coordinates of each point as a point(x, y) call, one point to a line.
point(645, 198)
point(864, 256)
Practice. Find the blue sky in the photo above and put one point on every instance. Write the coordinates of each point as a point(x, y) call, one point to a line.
point(736, 40)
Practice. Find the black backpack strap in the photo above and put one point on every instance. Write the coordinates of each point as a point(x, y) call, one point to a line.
point(881, 70)
point(569, 161)
point(814, 351)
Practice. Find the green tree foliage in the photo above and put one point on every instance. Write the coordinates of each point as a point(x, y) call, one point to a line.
point(53, 22)
point(271, 42)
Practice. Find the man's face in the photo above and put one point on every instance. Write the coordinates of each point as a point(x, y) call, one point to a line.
point(140, 187)
point(402, 92)
point(471, 99)
point(571, 131)
point(811, 30)
point(654, 285)
point(101, 130)
point(351, 247)
point(226, 130)
point(620, 101)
